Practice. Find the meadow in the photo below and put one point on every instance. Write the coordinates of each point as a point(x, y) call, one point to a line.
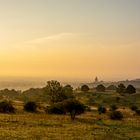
point(87, 126)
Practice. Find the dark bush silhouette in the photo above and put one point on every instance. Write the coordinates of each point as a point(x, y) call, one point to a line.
point(113, 107)
point(6, 107)
point(138, 112)
point(101, 109)
point(116, 115)
point(69, 88)
point(133, 107)
point(30, 106)
point(67, 92)
point(74, 107)
point(101, 88)
point(111, 87)
point(56, 108)
point(130, 89)
point(85, 88)
point(121, 88)
point(71, 106)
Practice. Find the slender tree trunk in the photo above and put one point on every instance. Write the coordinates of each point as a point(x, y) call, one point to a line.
point(73, 114)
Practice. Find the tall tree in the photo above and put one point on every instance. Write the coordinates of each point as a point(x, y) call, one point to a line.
point(130, 89)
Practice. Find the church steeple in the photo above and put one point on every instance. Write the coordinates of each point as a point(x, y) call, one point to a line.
point(96, 79)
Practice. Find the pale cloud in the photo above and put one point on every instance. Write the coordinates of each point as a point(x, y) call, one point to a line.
point(57, 37)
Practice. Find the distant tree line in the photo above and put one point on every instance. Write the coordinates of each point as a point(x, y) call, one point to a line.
point(120, 89)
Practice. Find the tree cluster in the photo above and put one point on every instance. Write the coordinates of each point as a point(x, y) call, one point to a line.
point(57, 92)
point(71, 106)
point(129, 89)
point(63, 100)
point(101, 88)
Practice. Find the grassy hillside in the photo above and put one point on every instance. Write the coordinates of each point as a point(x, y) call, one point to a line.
point(88, 126)
point(93, 98)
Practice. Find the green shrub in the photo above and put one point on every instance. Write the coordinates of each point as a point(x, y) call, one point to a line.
point(6, 107)
point(116, 115)
point(30, 106)
point(101, 109)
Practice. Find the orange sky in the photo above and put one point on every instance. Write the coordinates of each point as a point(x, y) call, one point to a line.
point(70, 40)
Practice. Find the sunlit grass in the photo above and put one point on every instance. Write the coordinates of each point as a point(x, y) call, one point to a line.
point(89, 126)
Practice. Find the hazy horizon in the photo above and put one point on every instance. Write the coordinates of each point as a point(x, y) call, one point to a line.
point(73, 40)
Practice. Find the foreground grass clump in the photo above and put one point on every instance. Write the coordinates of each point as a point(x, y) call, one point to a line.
point(6, 107)
point(116, 115)
point(30, 106)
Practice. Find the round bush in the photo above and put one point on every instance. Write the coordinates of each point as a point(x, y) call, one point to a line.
point(6, 107)
point(101, 109)
point(30, 106)
point(133, 108)
point(101, 88)
point(85, 88)
point(116, 115)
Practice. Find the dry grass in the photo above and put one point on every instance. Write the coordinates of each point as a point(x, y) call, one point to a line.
point(89, 126)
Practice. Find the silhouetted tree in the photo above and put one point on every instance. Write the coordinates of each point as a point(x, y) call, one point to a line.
point(121, 88)
point(6, 107)
point(74, 107)
point(68, 91)
point(85, 88)
point(101, 88)
point(71, 106)
point(56, 92)
point(130, 89)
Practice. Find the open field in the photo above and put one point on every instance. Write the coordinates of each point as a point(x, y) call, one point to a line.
point(89, 126)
